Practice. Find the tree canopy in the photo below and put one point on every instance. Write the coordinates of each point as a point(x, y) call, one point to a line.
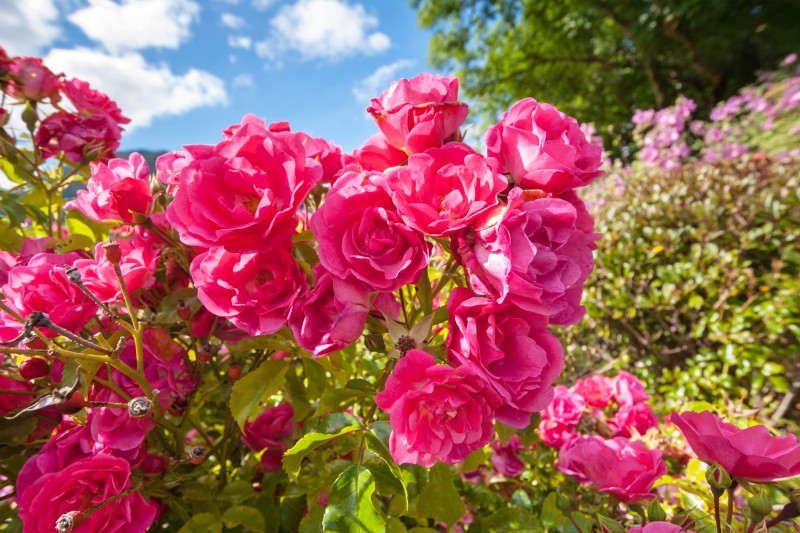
point(599, 60)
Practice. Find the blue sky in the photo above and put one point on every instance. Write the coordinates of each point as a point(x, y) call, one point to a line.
point(183, 70)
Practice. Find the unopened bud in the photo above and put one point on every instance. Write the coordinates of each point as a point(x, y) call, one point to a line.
point(139, 407)
point(68, 521)
point(718, 479)
point(760, 506)
point(183, 310)
point(139, 218)
point(205, 352)
point(374, 342)
point(113, 252)
point(655, 513)
point(197, 455)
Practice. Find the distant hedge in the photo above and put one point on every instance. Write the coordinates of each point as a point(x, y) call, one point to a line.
point(697, 284)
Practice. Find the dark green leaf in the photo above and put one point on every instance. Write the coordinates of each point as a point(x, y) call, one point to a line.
point(350, 508)
point(250, 394)
point(440, 499)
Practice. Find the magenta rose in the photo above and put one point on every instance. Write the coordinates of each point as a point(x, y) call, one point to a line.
point(42, 285)
point(622, 468)
point(138, 266)
point(419, 113)
point(254, 291)
point(8, 401)
point(536, 257)
point(168, 169)
point(509, 348)
point(116, 190)
point(436, 412)
point(80, 138)
point(628, 390)
point(377, 154)
point(90, 101)
point(80, 486)
point(505, 458)
point(639, 417)
point(596, 390)
point(31, 80)
point(542, 148)
point(243, 193)
point(361, 235)
point(560, 419)
point(751, 453)
point(269, 432)
point(660, 527)
point(331, 316)
point(444, 189)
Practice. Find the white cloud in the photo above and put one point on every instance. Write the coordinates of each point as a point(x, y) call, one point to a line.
point(374, 84)
point(240, 41)
point(234, 22)
point(327, 29)
point(143, 91)
point(137, 24)
point(243, 81)
point(262, 5)
point(27, 27)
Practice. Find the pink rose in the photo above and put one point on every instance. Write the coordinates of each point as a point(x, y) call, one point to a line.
point(504, 457)
point(90, 101)
point(243, 193)
point(80, 486)
point(269, 432)
point(542, 148)
point(168, 169)
point(42, 285)
point(596, 390)
point(638, 416)
point(419, 113)
point(561, 418)
point(116, 190)
point(79, 138)
point(254, 291)
point(31, 80)
point(436, 411)
point(361, 235)
point(331, 316)
point(510, 349)
point(138, 266)
point(12, 402)
point(751, 453)
point(622, 468)
point(660, 527)
point(377, 154)
point(444, 189)
point(536, 257)
point(628, 390)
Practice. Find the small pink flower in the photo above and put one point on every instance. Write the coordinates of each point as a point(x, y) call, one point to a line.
point(269, 432)
point(750, 453)
point(659, 527)
point(419, 113)
point(596, 390)
point(82, 485)
point(510, 349)
point(444, 189)
point(504, 457)
point(90, 101)
point(639, 417)
point(622, 468)
point(254, 291)
point(116, 190)
point(628, 390)
point(80, 138)
point(542, 148)
point(436, 412)
point(331, 316)
point(31, 80)
point(12, 402)
point(361, 235)
point(560, 419)
point(168, 169)
point(138, 266)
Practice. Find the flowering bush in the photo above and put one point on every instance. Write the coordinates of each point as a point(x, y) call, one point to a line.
point(272, 335)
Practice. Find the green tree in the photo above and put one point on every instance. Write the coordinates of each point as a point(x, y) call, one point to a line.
point(601, 59)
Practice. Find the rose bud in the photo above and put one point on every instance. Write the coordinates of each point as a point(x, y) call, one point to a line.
point(33, 368)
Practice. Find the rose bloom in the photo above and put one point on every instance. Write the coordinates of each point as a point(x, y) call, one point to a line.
point(510, 349)
point(168, 168)
point(254, 291)
point(419, 113)
point(79, 138)
point(138, 266)
point(622, 468)
point(504, 457)
point(436, 412)
point(361, 235)
point(377, 154)
point(628, 390)
point(31, 80)
point(561, 418)
point(317, 149)
point(444, 189)
point(639, 417)
point(749, 453)
point(536, 257)
point(81, 485)
point(12, 402)
point(42, 285)
point(596, 390)
point(116, 190)
point(542, 148)
point(269, 432)
point(331, 316)
point(243, 193)
point(659, 527)
point(90, 101)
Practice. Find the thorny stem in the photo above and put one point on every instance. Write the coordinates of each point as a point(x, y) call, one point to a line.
point(716, 513)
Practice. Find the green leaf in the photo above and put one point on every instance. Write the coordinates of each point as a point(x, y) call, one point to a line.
point(293, 457)
point(202, 523)
point(261, 342)
point(424, 293)
point(247, 517)
point(237, 491)
point(337, 399)
point(376, 438)
point(610, 524)
point(511, 519)
point(440, 499)
point(350, 508)
point(251, 393)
